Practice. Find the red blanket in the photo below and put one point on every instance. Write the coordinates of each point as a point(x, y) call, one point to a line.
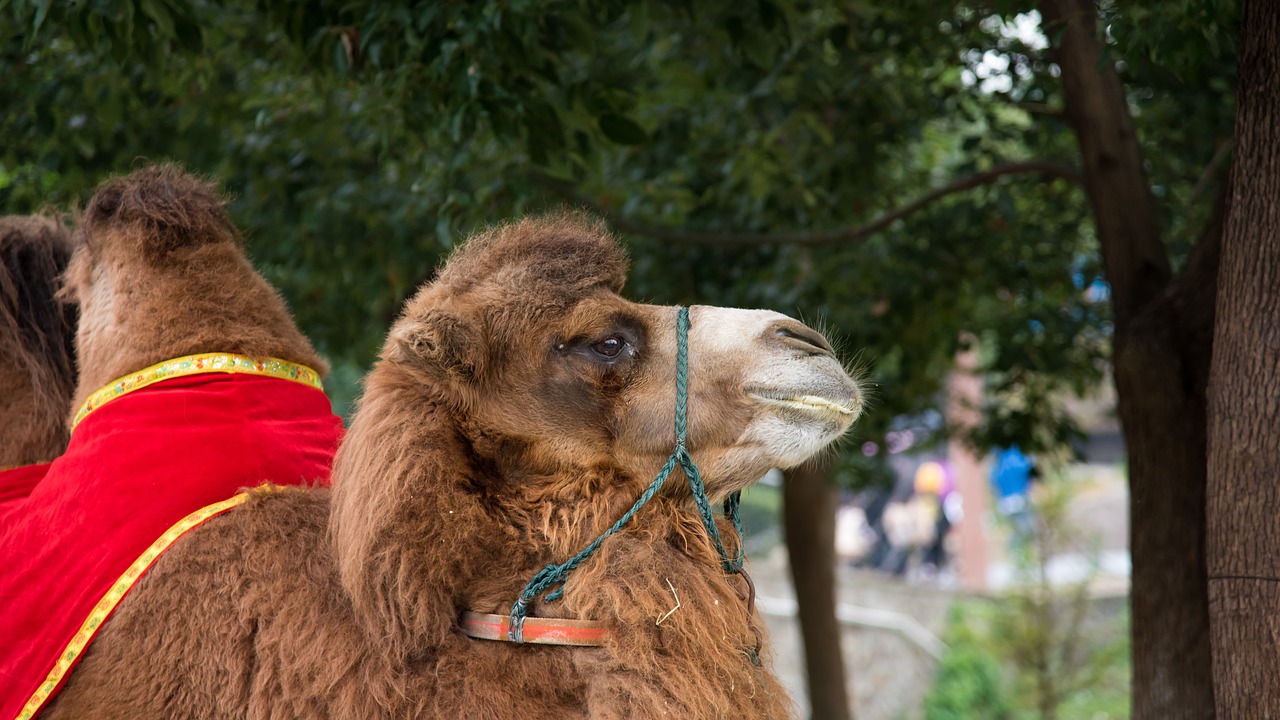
point(17, 483)
point(140, 470)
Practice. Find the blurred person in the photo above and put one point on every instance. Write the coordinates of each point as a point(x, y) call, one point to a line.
point(933, 480)
point(910, 526)
point(855, 538)
point(1012, 475)
point(873, 501)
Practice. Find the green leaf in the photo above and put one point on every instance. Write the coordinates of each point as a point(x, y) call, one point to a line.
point(159, 15)
point(622, 130)
point(42, 11)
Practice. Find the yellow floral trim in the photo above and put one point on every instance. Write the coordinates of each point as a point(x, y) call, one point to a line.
point(197, 365)
point(113, 597)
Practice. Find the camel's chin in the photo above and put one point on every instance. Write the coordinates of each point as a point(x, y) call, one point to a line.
point(792, 432)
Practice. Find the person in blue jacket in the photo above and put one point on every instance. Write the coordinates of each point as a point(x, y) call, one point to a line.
point(1012, 475)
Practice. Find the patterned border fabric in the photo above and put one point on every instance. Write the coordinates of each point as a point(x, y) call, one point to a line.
point(150, 450)
point(113, 597)
point(197, 365)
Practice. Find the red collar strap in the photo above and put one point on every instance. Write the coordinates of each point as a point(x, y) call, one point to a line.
point(539, 631)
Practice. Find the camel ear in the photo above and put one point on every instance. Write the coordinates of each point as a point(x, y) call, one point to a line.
point(438, 341)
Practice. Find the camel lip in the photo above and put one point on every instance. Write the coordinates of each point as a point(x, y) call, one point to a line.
point(809, 404)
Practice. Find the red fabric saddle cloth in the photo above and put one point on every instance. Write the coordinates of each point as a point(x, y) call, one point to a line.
point(140, 470)
point(17, 483)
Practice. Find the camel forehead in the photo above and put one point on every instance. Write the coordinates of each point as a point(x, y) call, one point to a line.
point(549, 258)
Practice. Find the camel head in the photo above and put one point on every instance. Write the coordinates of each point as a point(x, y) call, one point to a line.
point(521, 405)
point(524, 336)
point(159, 271)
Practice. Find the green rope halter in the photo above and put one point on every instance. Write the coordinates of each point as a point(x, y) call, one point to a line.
point(553, 575)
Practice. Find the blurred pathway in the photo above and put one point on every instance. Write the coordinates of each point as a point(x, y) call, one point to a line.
point(888, 669)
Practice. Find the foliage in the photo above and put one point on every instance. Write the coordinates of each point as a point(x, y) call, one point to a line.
point(970, 679)
point(1046, 649)
point(976, 681)
point(1046, 630)
point(362, 139)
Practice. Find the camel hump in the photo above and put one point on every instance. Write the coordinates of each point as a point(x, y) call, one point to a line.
point(163, 206)
point(35, 248)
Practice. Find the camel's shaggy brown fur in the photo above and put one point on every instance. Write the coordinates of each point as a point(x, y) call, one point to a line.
point(160, 272)
point(496, 434)
point(37, 353)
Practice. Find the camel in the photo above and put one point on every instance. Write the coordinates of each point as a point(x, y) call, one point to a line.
point(519, 408)
point(37, 367)
point(194, 382)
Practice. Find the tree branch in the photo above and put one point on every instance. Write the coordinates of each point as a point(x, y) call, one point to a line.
point(834, 236)
point(1211, 170)
point(1191, 296)
point(1040, 109)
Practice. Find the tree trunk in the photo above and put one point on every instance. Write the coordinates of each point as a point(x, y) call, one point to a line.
point(1161, 372)
point(1161, 345)
point(809, 519)
point(1244, 398)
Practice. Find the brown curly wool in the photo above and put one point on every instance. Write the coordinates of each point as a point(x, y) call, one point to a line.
point(37, 332)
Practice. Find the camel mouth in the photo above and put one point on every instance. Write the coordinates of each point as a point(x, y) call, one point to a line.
point(816, 406)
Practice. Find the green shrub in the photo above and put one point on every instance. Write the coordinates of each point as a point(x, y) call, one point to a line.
point(969, 683)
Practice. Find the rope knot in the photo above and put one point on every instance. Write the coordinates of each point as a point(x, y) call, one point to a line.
point(515, 629)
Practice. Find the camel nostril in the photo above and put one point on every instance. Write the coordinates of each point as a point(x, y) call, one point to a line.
point(802, 337)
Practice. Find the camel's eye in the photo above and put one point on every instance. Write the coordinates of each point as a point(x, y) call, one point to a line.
point(609, 347)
